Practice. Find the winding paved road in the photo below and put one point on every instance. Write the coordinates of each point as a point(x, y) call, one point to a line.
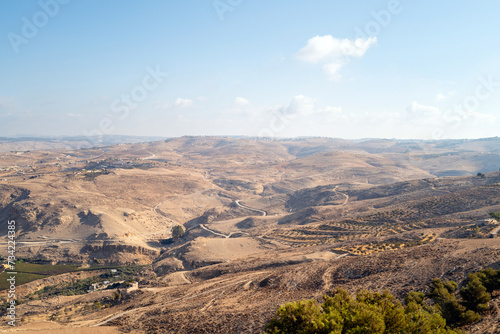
point(213, 232)
point(264, 213)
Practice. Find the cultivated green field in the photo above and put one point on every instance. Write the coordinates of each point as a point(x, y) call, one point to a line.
point(28, 272)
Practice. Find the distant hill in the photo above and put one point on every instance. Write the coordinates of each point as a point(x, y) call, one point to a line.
point(8, 144)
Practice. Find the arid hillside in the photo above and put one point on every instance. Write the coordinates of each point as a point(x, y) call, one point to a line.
point(265, 222)
point(132, 194)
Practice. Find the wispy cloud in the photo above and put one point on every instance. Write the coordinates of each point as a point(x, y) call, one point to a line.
point(420, 111)
point(241, 102)
point(302, 105)
point(183, 103)
point(429, 121)
point(442, 97)
point(334, 53)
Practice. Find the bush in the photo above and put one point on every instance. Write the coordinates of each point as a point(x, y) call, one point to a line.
point(366, 313)
point(495, 215)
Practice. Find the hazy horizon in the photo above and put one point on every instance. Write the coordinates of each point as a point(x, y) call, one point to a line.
point(35, 136)
point(378, 69)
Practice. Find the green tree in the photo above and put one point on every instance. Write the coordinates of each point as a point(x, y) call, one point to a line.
point(177, 232)
point(390, 309)
point(495, 215)
point(476, 231)
point(366, 313)
point(303, 317)
point(424, 320)
point(445, 301)
point(97, 305)
point(417, 297)
point(116, 296)
point(474, 294)
point(451, 286)
point(490, 278)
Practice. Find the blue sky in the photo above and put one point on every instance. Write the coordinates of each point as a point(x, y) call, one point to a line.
point(350, 69)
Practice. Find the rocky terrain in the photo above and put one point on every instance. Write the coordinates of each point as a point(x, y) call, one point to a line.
point(266, 222)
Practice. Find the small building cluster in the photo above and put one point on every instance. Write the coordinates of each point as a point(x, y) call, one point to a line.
point(124, 287)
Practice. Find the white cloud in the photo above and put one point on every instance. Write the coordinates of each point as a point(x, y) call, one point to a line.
point(304, 115)
point(179, 103)
point(241, 102)
point(441, 97)
point(331, 110)
point(480, 117)
point(183, 103)
point(419, 110)
point(424, 114)
point(301, 105)
point(324, 48)
point(333, 52)
point(319, 48)
point(333, 70)
point(432, 122)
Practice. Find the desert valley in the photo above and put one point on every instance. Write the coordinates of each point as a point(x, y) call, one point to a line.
point(212, 234)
